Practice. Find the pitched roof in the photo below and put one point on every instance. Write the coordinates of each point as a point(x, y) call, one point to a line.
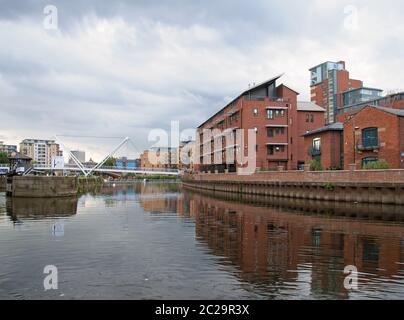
point(309, 106)
point(18, 156)
point(336, 126)
point(258, 86)
point(397, 112)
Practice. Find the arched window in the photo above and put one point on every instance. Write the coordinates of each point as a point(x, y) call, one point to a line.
point(370, 137)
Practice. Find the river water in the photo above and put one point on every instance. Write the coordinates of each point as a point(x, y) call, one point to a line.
point(159, 241)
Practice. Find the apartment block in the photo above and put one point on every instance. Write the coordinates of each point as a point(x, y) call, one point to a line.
point(6, 148)
point(159, 158)
point(326, 146)
point(375, 133)
point(393, 101)
point(186, 155)
point(328, 81)
point(276, 117)
point(371, 134)
point(41, 151)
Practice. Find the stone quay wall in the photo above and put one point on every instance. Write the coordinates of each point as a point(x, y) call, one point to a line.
point(41, 186)
point(362, 186)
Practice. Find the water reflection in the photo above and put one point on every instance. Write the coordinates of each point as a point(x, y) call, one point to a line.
point(40, 208)
point(197, 245)
point(285, 246)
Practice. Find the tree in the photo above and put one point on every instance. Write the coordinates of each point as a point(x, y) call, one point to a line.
point(111, 162)
point(3, 158)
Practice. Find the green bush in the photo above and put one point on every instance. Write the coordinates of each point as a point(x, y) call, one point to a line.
point(315, 165)
point(376, 165)
point(329, 186)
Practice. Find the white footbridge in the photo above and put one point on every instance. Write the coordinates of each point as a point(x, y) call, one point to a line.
point(79, 167)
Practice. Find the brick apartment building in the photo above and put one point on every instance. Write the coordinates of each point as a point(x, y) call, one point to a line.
point(375, 133)
point(277, 119)
point(326, 145)
point(393, 101)
point(371, 134)
point(328, 81)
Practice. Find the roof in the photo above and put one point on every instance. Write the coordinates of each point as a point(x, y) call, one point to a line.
point(397, 112)
point(362, 88)
point(336, 126)
point(18, 156)
point(263, 84)
point(309, 106)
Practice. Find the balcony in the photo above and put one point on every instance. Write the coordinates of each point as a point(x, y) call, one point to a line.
point(314, 152)
point(277, 152)
point(374, 148)
point(278, 156)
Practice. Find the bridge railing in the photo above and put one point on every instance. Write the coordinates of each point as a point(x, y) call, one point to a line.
point(75, 167)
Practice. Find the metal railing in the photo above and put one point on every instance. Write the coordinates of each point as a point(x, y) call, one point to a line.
point(118, 168)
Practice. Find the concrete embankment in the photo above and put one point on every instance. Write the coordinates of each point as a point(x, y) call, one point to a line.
point(41, 187)
point(50, 187)
point(386, 187)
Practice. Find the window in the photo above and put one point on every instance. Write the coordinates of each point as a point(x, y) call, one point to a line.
point(311, 118)
point(270, 132)
point(317, 144)
point(255, 112)
point(270, 114)
point(270, 150)
point(365, 161)
point(234, 117)
point(277, 113)
point(307, 117)
point(282, 113)
point(370, 137)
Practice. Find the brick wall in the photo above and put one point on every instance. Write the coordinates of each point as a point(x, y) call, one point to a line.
point(330, 149)
point(303, 127)
point(367, 176)
point(388, 137)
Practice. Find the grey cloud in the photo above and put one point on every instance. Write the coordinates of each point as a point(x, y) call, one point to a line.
point(125, 67)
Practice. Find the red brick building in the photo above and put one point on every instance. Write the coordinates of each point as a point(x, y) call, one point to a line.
point(326, 146)
point(394, 101)
point(277, 119)
point(328, 81)
point(374, 133)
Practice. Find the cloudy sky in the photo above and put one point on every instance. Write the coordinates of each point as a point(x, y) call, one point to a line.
point(123, 68)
